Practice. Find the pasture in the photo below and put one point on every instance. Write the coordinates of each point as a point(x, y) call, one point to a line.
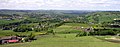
point(70, 28)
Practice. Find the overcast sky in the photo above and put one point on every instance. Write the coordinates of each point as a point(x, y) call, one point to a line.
point(60, 4)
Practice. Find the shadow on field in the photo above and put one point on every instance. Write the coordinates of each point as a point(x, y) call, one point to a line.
point(109, 40)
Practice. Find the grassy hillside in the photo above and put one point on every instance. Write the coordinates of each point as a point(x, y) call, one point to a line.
point(65, 40)
point(100, 17)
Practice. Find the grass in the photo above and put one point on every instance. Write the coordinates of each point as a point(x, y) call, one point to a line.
point(66, 28)
point(77, 24)
point(70, 27)
point(65, 40)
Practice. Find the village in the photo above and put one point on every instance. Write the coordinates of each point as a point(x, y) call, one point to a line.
point(10, 17)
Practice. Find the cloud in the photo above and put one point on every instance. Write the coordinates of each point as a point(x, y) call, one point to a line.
point(60, 4)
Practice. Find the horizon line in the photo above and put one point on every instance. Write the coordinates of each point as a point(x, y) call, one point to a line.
point(66, 9)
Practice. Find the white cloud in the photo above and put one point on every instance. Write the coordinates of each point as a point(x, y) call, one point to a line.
point(59, 4)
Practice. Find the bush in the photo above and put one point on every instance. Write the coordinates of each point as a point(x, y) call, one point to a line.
point(104, 32)
point(51, 31)
point(31, 36)
point(37, 29)
point(20, 29)
point(81, 33)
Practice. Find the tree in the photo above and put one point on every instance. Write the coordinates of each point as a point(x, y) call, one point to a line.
point(51, 31)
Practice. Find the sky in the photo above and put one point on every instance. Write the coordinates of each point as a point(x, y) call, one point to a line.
point(60, 4)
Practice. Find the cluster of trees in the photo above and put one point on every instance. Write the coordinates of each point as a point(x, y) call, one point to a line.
point(23, 28)
point(46, 26)
point(100, 32)
point(106, 32)
point(51, 31)
point(42, 26)
point(10, 26)
point(82, 33)
point(27, 38)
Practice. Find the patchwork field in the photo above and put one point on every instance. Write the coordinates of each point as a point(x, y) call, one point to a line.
point(70, 28)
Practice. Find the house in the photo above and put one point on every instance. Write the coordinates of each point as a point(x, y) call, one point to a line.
point(117, 19)
point(10, 39)
point(90, 29)
point(116, 23)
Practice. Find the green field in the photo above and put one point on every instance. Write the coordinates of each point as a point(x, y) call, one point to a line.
point(65, 40)
point(68, 27)
point(77, 24)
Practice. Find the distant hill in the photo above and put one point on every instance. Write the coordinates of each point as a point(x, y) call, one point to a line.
point(104, 16)
point(5, 11)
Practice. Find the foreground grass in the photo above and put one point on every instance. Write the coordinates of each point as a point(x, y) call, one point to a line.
point(65, 40)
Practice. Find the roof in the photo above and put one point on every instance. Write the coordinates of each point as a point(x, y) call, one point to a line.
point(9, 37)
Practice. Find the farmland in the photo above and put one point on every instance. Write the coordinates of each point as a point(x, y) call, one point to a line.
point(60, 28)
point(65, 39)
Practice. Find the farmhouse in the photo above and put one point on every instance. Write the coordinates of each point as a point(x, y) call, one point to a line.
point(10, 39)
point(88, 29)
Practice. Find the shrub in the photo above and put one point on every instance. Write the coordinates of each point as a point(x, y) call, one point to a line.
point(104, 32)
point(81, 33)
point(31, 36)
point(51, 31)
point(20, 29)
